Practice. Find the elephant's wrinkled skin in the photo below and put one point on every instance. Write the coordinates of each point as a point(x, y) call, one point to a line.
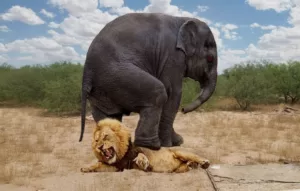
point(137, 64)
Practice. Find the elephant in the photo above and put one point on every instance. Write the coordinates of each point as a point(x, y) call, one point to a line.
point(137, 63)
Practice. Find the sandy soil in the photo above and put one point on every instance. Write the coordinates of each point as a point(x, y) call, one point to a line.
point(43, 153)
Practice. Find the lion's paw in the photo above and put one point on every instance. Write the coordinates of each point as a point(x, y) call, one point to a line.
point(205, 164)
point(142, 161)
point(85, 170)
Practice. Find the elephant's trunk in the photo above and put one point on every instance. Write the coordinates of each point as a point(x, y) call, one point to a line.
point(208, 88)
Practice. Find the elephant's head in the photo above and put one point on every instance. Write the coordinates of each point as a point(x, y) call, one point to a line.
point(197, 42)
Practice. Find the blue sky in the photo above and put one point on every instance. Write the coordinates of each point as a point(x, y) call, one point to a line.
point(44, 31)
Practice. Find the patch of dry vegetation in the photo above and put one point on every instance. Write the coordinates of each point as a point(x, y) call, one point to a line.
point(30, 143)
point(242, 138)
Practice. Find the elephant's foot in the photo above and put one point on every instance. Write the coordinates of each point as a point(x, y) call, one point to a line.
point(165, 138)
point(177, 139)
point(151, 143)
point(170, 139)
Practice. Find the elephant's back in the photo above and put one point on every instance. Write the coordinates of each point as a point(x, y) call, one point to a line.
point(132, 30)
point(134, 37)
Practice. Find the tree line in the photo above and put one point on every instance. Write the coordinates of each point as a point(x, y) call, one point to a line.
point(261, 83)
point(57, 87)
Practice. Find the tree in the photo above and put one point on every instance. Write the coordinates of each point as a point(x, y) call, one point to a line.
point(285, 80)
point(294, 81)
point(247, 84)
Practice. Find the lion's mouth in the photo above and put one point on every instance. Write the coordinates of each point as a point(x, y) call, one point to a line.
point(108, 153)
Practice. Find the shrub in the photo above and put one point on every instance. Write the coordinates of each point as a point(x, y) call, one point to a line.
point(190, 90)
point(55, 87)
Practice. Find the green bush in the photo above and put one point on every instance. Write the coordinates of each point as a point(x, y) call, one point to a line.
point(55, 87)
point(263, 83)
point(190, 90)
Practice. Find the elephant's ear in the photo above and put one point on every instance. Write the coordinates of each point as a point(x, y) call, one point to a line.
point(186, 39)
point(192, 34)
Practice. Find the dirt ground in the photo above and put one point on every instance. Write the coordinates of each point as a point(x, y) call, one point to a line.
point(43, 153)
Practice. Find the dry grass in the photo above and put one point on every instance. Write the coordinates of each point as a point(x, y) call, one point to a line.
point(232, 137)
point(34, 147)
point(29, 144)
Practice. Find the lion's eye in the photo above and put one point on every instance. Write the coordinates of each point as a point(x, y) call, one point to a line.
point(96, 140)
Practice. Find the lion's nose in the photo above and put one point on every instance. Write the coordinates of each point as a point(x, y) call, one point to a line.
point(101, 147)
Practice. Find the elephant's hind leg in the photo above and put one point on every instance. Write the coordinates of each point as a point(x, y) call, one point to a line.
point(99, 115)
point(191, 159)
point(137, 91)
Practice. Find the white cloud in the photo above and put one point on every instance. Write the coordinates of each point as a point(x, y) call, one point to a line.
point(230, 57)
point(122, 10)
point(277, 5)
point(281, 43)
point(31, 45)
point(217, 36)
point(294, 18)
point(43, 49)
point(263, 27)
point(111, 3)
point(76, 7)
point(4, 28)
point(25, 58)
point(3, 59)
point(47, 14)
point(228, 30)
point(64, 39)
point(93, 22)
point(53, 25)
point(229, 27)
point(164, 6)
point(202, 8)
point(23, 14)
point(2, 48)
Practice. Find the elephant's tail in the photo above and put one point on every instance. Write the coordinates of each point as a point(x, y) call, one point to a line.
point(86, 88)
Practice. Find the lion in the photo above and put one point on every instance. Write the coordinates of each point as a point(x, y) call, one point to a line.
point(115, 152)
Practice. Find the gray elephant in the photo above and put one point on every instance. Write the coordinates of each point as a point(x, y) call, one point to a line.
point(137, 63)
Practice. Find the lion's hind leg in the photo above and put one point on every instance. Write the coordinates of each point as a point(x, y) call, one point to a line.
point(99, 167)
point(184, 167)
point(192, 160)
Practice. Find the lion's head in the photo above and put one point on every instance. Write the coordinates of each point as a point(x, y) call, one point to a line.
point(110, 140)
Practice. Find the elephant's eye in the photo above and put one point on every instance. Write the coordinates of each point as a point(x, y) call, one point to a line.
point(209, 58)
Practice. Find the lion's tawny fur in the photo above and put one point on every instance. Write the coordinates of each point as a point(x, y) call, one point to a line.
point(121, 131)
point(113, 133)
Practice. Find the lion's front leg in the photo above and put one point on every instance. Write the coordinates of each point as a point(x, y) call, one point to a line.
point(99, 167)
point(142, 162)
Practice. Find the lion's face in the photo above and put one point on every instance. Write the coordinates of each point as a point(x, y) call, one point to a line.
point(110, 141)
point(105, 143)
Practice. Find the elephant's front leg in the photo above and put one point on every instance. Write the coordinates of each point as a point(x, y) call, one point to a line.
point(167, 135)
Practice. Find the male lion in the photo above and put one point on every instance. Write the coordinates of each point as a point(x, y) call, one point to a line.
point(115, 152)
